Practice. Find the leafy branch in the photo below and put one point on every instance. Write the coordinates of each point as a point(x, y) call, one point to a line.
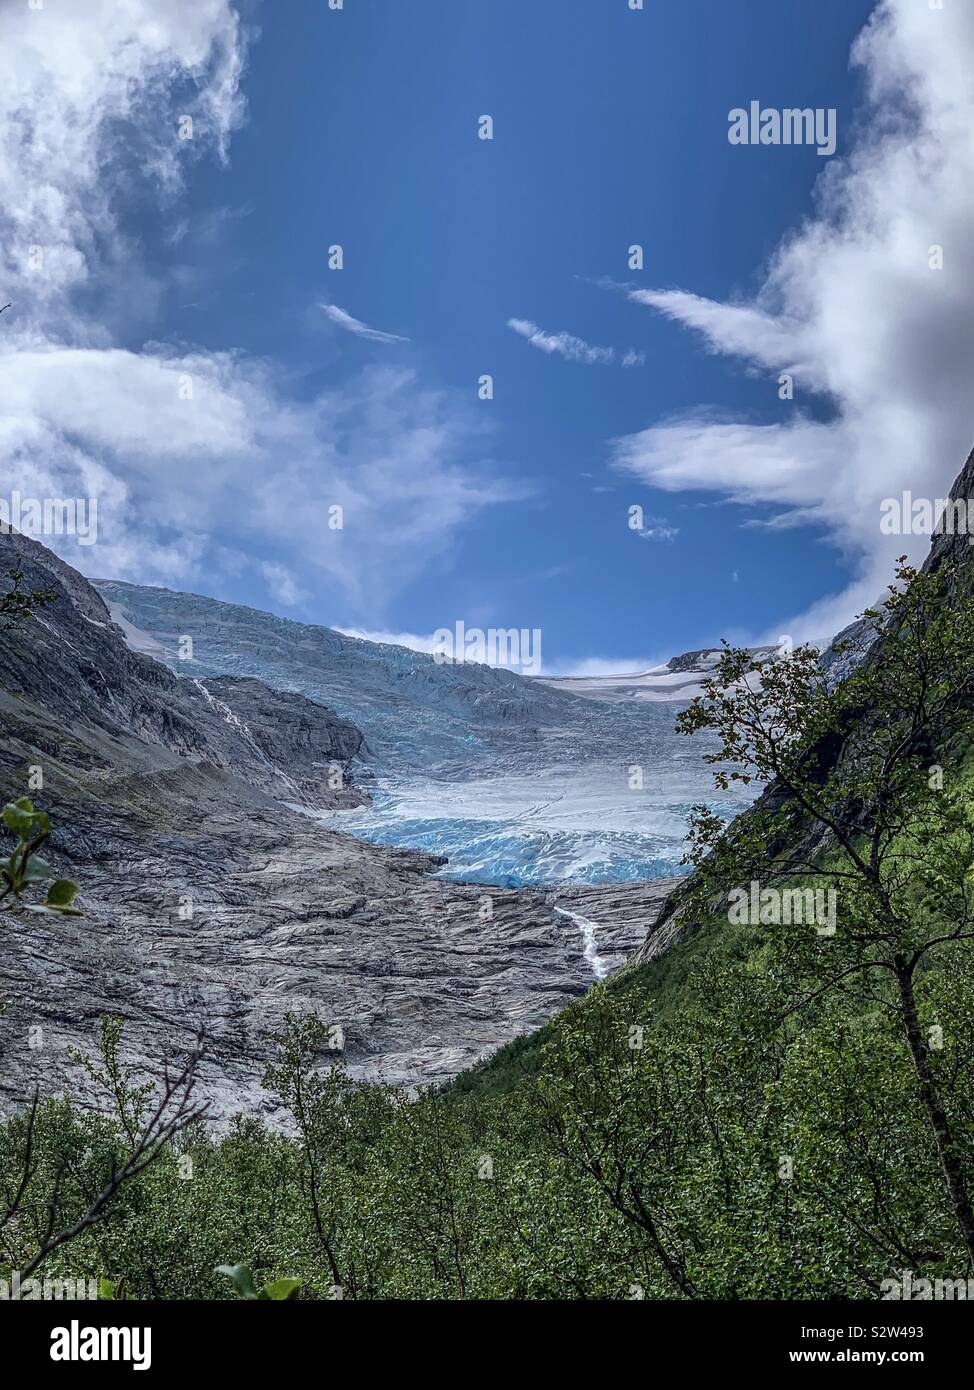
point(25, 867)
point(278, 1290)
point(175, 1111)
point(19, 602)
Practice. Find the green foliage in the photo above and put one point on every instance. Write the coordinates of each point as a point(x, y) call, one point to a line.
point(243, 1282)
point(118, 1083)
point(861, 812)
point(714, 1154)
point(112, 1291)
point(25, 867)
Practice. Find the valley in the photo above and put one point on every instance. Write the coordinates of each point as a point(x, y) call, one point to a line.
point(206, 816)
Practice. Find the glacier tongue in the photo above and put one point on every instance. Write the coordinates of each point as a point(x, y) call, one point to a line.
point(542, 825)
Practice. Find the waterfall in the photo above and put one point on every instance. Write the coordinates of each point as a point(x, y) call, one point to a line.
point(590, 948)
point(237, 723)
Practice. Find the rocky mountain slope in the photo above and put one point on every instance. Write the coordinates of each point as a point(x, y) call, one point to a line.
point(211, 905)
point(947, 548)
point(74, 668)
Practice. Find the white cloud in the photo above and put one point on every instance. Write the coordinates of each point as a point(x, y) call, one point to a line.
point(571, 348)
point(201, 461)
point(738, 329)
point(87, 92)
point(360, 329)
point(237, 466)
point(850, 307)
point(416, 642)
point(282, 584)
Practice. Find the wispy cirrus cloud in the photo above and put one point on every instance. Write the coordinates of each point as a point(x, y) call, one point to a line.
point(657, 528)
point(573, 349)
point(854, 309)
point(238, 469)
point(361, 330)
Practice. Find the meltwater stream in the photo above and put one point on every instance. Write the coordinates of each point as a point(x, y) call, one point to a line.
point(590, 941)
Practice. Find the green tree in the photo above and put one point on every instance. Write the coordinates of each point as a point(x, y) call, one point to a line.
point(337, 1123)
point(858, 806)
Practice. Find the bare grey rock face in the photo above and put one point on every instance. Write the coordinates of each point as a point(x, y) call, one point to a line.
point(417, 977)
point(70, 664)
point(211, 906)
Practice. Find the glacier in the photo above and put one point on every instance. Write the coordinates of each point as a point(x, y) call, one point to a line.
point(512, 781)
point(539, 821)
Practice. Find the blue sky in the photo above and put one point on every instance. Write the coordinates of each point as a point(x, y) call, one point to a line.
point(359, 127)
